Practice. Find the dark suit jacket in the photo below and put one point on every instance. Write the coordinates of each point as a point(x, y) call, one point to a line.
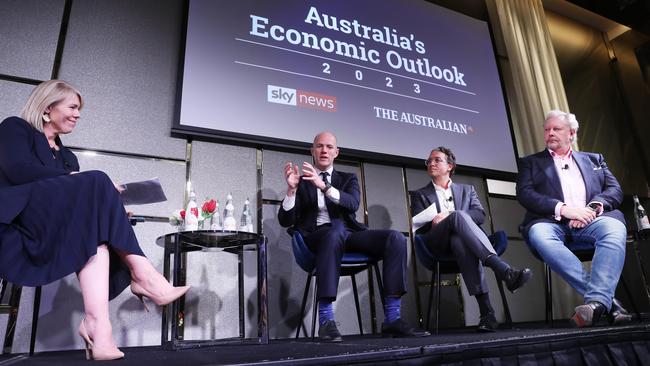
point(539, 189)
point(303, 215)
point(465, 199)
point(25, 157)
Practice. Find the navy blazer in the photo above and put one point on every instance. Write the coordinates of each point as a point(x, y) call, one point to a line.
point(465, 199)
point(25, 157)
point(539, 189)
point(303, 215)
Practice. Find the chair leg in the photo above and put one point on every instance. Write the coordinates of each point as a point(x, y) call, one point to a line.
point(504, 301)
point(3, 287)
point(549, 295)
point(14, 303)
point(430, 302)
point(380, 284)
point(437, 296)
point(301, 325)
point(356, 303)
point(314, 312)
point(371, 302)
point(37, 306)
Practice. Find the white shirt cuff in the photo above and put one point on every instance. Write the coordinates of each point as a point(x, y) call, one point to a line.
point(558, 210)
point(288, 202)
point(334, 195)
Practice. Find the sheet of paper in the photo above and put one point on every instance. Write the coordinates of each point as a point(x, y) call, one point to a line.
point(143, 192)
point(424, 217)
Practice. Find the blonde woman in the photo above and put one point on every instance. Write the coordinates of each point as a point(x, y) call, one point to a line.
point(55, 220)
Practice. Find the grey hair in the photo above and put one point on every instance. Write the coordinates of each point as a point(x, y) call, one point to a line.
point(568, 118)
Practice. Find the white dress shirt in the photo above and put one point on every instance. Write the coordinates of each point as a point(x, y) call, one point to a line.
point(445, 198)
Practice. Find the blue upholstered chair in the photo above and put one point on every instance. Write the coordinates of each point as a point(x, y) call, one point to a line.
point(351, 264)
point(446, 264)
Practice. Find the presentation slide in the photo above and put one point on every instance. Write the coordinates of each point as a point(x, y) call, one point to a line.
point(394, 77)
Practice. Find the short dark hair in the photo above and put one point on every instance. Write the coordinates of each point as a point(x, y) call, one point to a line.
point(451, 158)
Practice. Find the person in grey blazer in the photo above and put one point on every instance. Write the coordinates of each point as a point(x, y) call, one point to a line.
point(456, 228)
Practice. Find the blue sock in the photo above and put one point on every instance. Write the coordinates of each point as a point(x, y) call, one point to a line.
point(325, 311)
point(392, 306)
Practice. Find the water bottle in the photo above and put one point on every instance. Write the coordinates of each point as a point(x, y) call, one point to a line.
point(192, 213)
point(229, 222)
point(246, 222)
point(642, 223)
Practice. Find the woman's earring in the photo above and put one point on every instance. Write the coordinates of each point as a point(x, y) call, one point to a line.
point(46, 117)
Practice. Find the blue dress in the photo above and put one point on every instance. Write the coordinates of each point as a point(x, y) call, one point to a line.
point(51, 221)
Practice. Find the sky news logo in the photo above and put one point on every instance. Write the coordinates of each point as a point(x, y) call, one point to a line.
point(300, 98)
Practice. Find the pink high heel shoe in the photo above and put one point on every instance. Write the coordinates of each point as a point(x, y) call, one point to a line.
point(163, 299)
point(94, 353)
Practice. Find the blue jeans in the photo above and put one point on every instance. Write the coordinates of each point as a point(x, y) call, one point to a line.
point(608, 236)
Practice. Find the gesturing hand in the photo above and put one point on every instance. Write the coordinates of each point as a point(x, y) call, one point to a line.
point(310, 174)
point(292, 176)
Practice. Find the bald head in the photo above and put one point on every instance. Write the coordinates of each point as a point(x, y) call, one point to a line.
point(327, 135)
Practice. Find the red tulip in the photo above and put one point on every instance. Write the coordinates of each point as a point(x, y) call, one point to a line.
point(183, 214)
point(209, 207)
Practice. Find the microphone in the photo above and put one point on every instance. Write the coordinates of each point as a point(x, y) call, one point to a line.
point(565, 167)
point(450, 199)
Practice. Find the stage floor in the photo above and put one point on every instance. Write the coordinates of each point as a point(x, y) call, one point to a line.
point(526, 344)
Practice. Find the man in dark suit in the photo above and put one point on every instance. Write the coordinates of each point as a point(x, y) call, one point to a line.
point(572, 196)
point(323, 210)
point(453, 226)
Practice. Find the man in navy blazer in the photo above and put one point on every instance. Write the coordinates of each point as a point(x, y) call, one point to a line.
point(455, 228)
point(572, 196)
point(323, 210)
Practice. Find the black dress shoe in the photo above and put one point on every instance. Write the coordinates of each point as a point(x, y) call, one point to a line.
point(399, 328)
point(588, 314)
point(515, 279)
point(328, 332)
point(618, 314)
point(488, 324)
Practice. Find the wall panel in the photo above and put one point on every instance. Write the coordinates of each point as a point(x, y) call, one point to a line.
point(386, 197)
point(29, 29)
point(123, 56)
point(12, 98)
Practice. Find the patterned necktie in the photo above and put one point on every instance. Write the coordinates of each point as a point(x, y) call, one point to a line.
point(328, 203)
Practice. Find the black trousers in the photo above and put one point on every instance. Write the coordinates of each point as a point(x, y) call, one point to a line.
point(468, 244)
point(329, 242)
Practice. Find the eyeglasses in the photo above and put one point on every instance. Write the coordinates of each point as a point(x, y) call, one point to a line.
point(434, 161)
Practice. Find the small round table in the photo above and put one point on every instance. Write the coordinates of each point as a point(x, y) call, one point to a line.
point(182, 242)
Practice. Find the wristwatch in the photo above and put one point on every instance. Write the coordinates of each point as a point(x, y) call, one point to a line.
point(594, 206)
point(328, 185)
